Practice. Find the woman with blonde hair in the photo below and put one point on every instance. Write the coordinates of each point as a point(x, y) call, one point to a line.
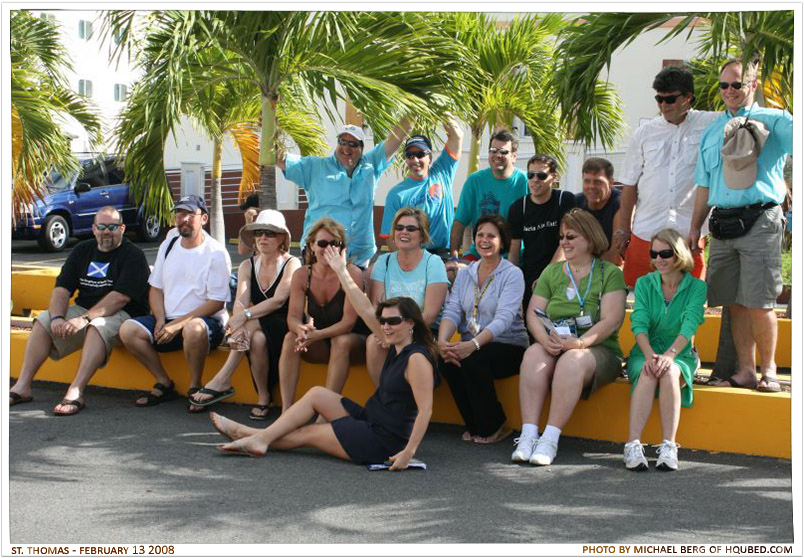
point(259, 320)
point(668, 308)
point(409, 271)
point(320, 318)
point(575, 314)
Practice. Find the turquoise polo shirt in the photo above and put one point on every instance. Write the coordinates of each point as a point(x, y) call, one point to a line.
point(432, 194)
point(770, 185)
point(332, 193)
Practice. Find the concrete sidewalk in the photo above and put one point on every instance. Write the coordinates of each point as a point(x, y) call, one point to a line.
point(116, 473)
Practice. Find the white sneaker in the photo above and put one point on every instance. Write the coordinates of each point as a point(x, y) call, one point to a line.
point(544, 452)
point(668, 456)
point(524, 448)
point(634, 457)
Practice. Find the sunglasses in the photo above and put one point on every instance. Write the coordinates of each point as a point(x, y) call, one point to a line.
point(265, 233)
point(350, 143)
point(108, 226)
point(417, 154)
point(736, 85)
point(494, 151)
point(667, 99)
point(569, 237)
point(664, 254)
point(325, 243)
point(540, 175)
point(393, 320)
point(409, 228)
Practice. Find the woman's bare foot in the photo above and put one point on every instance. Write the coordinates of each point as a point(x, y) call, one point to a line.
point(467, 436)
point(251, 446)
point(230, 429)
point(501, 434)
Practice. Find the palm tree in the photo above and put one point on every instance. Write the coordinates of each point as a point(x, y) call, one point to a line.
point(511, 67)
point(40, 99)
point(589, 42)
point(384, 64)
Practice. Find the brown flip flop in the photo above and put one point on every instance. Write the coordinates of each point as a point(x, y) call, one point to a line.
point(72, 403)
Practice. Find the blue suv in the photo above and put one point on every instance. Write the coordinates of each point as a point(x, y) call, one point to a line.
point(69, 206)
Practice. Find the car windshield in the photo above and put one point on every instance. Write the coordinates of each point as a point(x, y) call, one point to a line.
point(55, 181)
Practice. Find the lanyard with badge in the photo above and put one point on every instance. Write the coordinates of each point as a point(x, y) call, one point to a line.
point(583, 320)
point(472, 325)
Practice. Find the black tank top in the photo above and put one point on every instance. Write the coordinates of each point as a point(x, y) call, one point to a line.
point(258, 295)
point(324, 315)
point(393, 406)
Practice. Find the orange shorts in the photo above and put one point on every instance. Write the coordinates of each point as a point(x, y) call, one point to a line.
point(637, 261)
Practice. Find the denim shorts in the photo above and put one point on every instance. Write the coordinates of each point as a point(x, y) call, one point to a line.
point(214, 333)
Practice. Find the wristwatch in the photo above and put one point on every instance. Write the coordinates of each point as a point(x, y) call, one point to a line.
point(247, 312)
point(87, 318)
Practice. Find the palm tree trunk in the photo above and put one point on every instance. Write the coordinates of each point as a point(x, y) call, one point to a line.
point(474, 150)
point(268, 154)
point(216, 225)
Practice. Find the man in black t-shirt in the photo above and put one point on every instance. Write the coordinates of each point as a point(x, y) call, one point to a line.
point(111, 277)
point(600, 198)
point(535, 221)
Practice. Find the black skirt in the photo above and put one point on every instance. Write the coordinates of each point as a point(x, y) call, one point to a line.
point(364, 441)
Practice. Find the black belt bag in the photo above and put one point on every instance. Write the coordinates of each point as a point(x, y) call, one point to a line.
point(733, 222)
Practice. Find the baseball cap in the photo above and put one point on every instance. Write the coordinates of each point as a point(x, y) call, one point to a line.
point(422, 142)
point(191, 203)
point(743, 140)
point(352, 130)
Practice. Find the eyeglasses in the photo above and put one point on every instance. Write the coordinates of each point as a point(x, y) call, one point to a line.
point(108, 226)
point(736, 85)
point(325, 243)
point(540, 175)
point(265, 233)
point(393, 320)
point(494, 151)
point(350, 143)
point(417, 154)
point(181, 214)
point(569, 237)
point(664, 254)
point(667, 99)
point(409, 228)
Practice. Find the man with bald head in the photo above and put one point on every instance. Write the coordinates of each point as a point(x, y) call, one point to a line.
point(111, 277)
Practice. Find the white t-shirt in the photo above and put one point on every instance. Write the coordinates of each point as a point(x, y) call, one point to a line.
point(660, 162)
point(188, 278)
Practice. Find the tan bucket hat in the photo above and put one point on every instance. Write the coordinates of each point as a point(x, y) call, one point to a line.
point(269, 219)
point(743, 140)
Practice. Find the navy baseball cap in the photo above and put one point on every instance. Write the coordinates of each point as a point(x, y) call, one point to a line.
point(191, 203)
point(422, 142)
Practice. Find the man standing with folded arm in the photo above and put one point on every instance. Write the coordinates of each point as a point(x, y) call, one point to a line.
point(739, 173)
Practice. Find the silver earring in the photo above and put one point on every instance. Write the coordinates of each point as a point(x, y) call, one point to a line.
point(411, 331)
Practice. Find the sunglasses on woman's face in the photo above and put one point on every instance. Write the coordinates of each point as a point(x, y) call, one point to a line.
point(325, 243)
point(664, 254)
point(540, 175)
point(569, 237)
point(409, 228)
point(393, 320)
point(265, 233)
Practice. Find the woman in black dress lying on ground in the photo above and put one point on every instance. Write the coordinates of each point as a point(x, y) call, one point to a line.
point(393, 422)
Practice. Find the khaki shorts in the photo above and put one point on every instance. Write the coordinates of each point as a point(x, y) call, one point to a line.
point(608, 367)
point(748, 270)
point(107, 327)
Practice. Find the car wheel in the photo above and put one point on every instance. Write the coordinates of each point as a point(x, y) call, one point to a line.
point(54, 235)
point(150, 229)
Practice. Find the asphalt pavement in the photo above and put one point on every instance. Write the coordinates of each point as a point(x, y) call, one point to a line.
point(116, 473)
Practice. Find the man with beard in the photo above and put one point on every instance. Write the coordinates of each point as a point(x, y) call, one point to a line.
point(189, 288)
point(107, 297)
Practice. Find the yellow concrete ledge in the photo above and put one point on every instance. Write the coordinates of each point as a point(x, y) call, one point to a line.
point(721, 419)
point(30, 289)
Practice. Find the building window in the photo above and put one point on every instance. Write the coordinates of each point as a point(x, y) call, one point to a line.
point(85, 29)
point(85, 88)
point(120, 92)
point(520, 129)
point(50, 17)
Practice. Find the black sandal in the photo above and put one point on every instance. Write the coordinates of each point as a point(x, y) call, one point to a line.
point(168, 394)
point(254, 416)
